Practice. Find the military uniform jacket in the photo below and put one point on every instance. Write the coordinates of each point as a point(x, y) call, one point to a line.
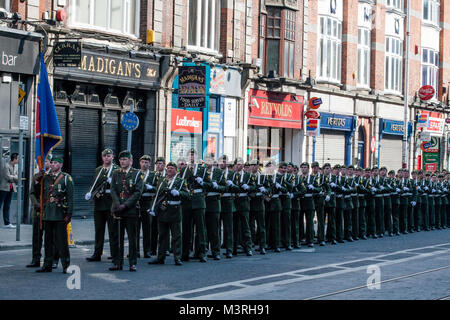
point(197, 191)
point(242, 201)
point(307, 201)
point(101, 189)
point(405, 194)
point(298, 191)
point(285, 197)
point(148, 178)
point(126, 188)
point(227, 199)
point(332, 186)
point(58, 196)
point(167, 206)
point(387, 189)
point(257, 197)
point(340, 200)
point(322, 182)
point(213, 196)
point(275, 202)
point(414, 196)
point(370, 194)
point(362, 191)
point(437, 196)
point(395, 196)
point(349, 191)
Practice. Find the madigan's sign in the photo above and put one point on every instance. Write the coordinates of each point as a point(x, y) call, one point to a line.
point(272, 109)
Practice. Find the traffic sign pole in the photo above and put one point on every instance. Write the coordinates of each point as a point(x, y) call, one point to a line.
point(130, 132)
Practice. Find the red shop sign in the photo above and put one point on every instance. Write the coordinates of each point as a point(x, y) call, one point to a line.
point(426, 93)
point(271, 109)
point(186, 121)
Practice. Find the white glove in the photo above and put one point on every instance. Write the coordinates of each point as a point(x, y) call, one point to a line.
point(109, 180)
point(175, 193)
point(343, 189)
point(327, 198)
point(433, 190)
point(215, 185)
point(229, 182)
point(199, 180)
point(88, 196)
point(150, 212)
point(291, 195)
point(381, 188)
point(406, 188)
point(149, 186)
point(333, 184)
point(262, 189)
point(419, 188)
point(374, 189)
point(310, 187)
point(426, 188)
point(245, 186)
point(278, 186)
point(413, 203)
point(445, 189)
point(398, 190)
point(356, 185)
point(439, 191)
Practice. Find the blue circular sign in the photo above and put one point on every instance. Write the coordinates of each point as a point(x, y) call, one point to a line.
point(130, 121)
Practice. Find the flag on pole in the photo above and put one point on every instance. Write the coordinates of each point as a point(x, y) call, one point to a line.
point(48, 133)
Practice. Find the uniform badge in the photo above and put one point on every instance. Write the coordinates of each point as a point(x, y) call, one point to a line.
point(70, 178)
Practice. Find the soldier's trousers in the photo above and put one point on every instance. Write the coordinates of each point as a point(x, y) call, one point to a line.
point(348, 213)
point(444, 216)
point(448, 215)
point(431, 212)
point(295, 235)
point(379, 214)
point(37, 238)
point(395, 218)
point(362, 222)
point(154, 235)
point(212, 220)
point(340, 224)
point(130, 225)
point(425, 215)
point(388, 214)
point(145, 220)
point(227, 222)
point(309, 234)
point(56, 238)
point(403, 217)
point(437, 216)
point(194, 217)
point(165, 229)
point(275, 232)
point(101, 219)
point(320, 212)
point(371, 220)
point(242, 218)
point(301, 225)
point(418, 216)
point(410, 217)
point(285, 220)
point(355, 223)
point(331, 224)
point(252, 226)
point(260, 218)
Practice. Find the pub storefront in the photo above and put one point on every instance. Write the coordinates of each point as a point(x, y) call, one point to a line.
point(90, 101)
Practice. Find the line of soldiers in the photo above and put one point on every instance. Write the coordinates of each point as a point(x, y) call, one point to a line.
point(183, 206)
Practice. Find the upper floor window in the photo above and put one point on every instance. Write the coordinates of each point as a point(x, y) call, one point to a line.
point(396, 4)
point(430, 68)
point(4, 4)
point(204, 24)
point(110, 15)
point(393, 65)
point(431, 10)
point(277, 41)
point(330, 45)
point(363, 57)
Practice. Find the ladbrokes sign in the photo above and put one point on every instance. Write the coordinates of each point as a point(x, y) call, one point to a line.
point(275, 110)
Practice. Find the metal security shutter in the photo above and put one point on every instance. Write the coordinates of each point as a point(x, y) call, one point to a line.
point(330, 147)
point(112, 132)
point(85, 140)
point(61, 114)
point(391, 152)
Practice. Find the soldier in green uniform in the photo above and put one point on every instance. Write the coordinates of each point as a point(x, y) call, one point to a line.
point(319, 201)
point(404, 186)
point(257, 207)
point(148, 195)
point(298, 190)
point(160, 171)
point(388, 189)
point(413, 203)
point(347, 192)
point(353, 185)
point(330, 203)
point(167, 207)
point(286, 205)
point(370, 198)
point(418, 207)
point(126, 190)
point(246, 183)
point(100, 192)
point(340, 204)
point(447, 186)
point(425, 191)
point(307, 201)
point(273, 208)
point(198, 183)
point(35, 197)
point(378, 188)
point(395, 201)
point(213, 206)
point(437, 201)
point(57, 213)
point(362, 214)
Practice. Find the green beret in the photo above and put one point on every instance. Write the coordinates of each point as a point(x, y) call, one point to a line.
point(305, 164)
point(238, 160)
point(145, 157)
point(337, 166)
point(49, 157)
point(383, 168)
point(391, 172)
point(290, 164)
point(351, 167)
point(441, 175)
point(420, 171)
point(57, 159)
point(296, 167)
point(428, 173)
point(125, 154)
point(107, 151)
point(433, 175)
point(268, 164)
point(246, 164)
point(171, 164)
point(160, 159)
point(282, 164)
point(326, 165)
point(374, 168)
point(315, 164)
point(367, 170)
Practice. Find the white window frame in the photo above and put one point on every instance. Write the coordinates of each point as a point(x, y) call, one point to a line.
point(393, 81)
point(7, 5)
point(433, 12)
point(363, 48)
point(212, 35)
point(432, 70)
point(335, 42)
point(395, 4)
point(91, 26)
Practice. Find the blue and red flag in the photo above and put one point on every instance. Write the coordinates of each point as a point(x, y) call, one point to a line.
point(48, 133)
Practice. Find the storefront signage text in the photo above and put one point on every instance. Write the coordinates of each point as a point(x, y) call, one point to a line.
point(19, 55)
point(67, 54)
point(337, 122)
point(186, 121)
point(192, 87)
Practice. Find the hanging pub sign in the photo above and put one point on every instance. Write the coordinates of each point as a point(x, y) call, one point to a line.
point(67, 54)
point(422, 120)
point(192, 87)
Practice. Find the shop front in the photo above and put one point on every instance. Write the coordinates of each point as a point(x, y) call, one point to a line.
point(272, 117)
point(90, 101)
point(391, 143)
point(430, 151)
point(334, 144)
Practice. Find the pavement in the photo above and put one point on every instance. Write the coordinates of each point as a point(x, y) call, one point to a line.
point(83, 234)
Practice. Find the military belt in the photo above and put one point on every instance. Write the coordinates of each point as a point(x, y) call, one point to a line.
point(174, 203)
point(259, 194)
point(198, 190)
point(347, 196)
point(108, 191)
point(308, 195)
point(148, 194)
point(378, 195)
point(210, 194)
point(354, 194)
point(393, 193)
point(242, 195)
point(339, 196)
point(332, 193)
point(361, 195)
point(275, 196)
point(225, 195)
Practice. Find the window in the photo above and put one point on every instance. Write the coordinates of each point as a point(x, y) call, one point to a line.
point(363, 57)
point(393, 65)
point(204, 24)
point(110, 15)
point(430, 68)
point(431, 9)
point(265, 143)
point(396, 4)
point(4, 4)
point(277, 41)
point(329, 53)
